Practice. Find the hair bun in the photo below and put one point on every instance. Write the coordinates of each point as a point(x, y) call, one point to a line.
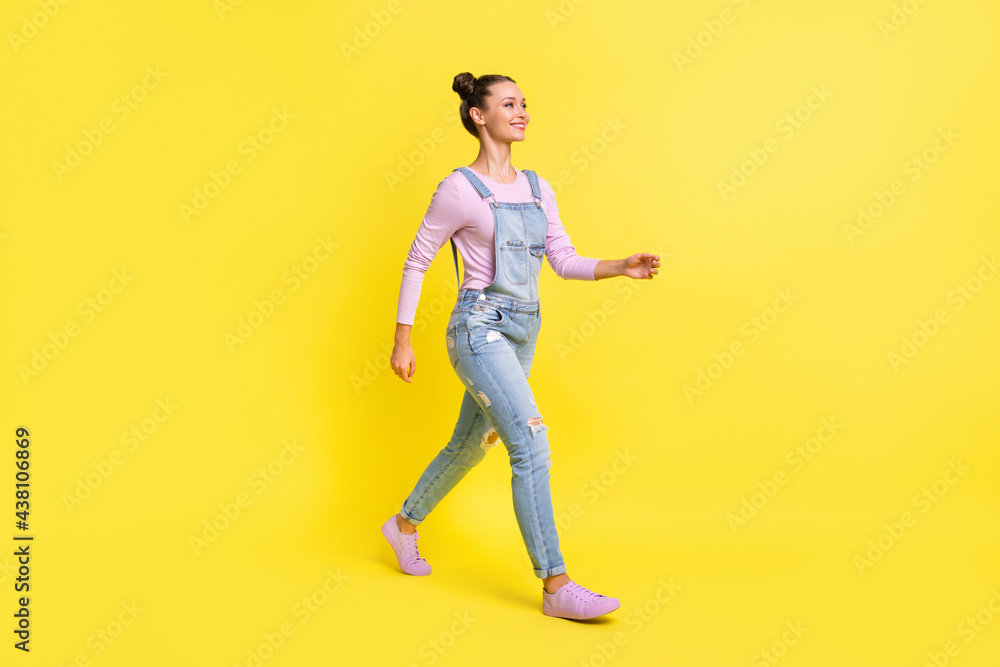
point(464, 84)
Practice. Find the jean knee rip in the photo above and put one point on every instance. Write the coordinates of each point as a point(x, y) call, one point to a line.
point(536, 424)
point(485, 399)
point(489, 440)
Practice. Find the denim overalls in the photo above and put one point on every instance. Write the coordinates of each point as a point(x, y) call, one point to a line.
point(491, 338)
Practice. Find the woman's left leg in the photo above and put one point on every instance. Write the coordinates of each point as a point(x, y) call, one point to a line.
point(462, 453)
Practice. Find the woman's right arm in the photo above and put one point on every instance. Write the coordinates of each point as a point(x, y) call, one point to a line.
point(445, 216)
point(402, 361)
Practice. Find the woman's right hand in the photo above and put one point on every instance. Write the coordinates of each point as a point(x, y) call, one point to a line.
point(402, 361)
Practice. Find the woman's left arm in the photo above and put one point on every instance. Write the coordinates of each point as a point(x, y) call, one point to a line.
point(568, 264)
point(641, 266)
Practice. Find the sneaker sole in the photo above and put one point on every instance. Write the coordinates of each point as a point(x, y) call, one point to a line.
point(577, 615)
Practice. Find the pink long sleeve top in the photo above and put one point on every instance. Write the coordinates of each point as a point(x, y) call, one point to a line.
point(456, 209)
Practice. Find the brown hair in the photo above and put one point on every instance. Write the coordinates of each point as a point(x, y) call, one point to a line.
point(473, 91)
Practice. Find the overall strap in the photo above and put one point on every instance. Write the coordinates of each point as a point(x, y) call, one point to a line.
point(485, 193)
point(480, 187)
point(535, 190)
point(454, 253)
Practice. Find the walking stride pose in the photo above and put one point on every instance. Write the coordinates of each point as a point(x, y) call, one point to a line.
point(505, 221)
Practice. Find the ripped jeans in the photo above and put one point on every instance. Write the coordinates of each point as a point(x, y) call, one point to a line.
point(491, 344)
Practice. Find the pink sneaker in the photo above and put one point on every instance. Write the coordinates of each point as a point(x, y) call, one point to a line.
point(574, 601)
point(405, 548)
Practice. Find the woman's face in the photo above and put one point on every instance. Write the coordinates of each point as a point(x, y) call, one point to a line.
point(506, 115)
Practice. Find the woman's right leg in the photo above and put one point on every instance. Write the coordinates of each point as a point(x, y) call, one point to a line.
point(491, 367)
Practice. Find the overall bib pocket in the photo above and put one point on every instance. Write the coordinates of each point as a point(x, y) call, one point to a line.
point(514, 260)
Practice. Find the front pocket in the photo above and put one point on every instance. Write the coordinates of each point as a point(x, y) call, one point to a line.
point(514, 260)
point(451, 340)
point(481, 317)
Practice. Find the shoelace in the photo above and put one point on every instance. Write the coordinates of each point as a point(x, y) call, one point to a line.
point(410, 545)
point(580, 593)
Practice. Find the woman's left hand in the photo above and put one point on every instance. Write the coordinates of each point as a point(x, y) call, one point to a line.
point(641, 266)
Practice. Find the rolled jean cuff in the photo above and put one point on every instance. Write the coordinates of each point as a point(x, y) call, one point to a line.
point(551, 572)
point(407, 517)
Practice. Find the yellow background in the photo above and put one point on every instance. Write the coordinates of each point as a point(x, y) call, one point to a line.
point(314, 373)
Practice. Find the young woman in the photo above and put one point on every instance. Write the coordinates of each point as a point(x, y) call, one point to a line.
point(504, 221)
